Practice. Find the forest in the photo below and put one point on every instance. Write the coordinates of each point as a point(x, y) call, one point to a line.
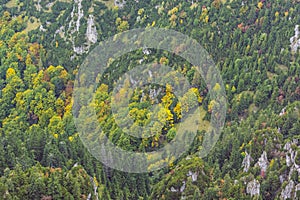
point(255, 44)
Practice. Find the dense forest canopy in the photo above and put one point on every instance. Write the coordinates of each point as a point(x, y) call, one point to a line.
point(255, 45)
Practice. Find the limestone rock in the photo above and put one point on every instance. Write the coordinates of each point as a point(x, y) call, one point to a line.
point(295, 40)
point(193, 175)
point(247, 162)
point(253, 188)
point(287, 192)
point(263, 162)
point(91, 32)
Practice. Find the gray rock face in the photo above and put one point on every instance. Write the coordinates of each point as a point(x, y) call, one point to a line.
point(73, 29)
point(79, 50)
point(287, 192)
point(295, 40)
point(76, 24)
point(281, 178)
point(288, 160)
point(60, 31)
point(146, 51)
point(253, 188)
point(38, 6)
point(120, 3)
point(173, 189)
point(263, 162)
point(42, 28)
point(282, 112)
point(49, 5)
point(91, 32)
point(181, 189)
point(291, 155)
point(247, 162)
point(193, 175)
point(290, 191)
point(154, 93)
point(95, 189)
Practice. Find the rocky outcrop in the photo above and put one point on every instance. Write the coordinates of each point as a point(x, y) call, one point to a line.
point(295, 40)
point(153, 94)
point(287, 192)
point(297, 188)
point(193, 175)
point(95, 189)
point(253, 188)
point(38, 6)
point(291, 155)
point(247, 162)
point(91, 32)
point(290, 190)
point(73, 29)
point(120, 3)
point(74, 24)
point(91, 36)
point(181, 189)
point(79, 50)
point(263, 162)
point(42, 28)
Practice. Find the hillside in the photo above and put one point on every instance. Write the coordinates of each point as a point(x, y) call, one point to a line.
point(255, 45)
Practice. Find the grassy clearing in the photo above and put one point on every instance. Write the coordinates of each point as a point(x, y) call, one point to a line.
point(12, 4)
point(195, 119)
point(283, 68)
point(252, 108)
point(108, 3)
point(271, 75)
point(32, 26)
